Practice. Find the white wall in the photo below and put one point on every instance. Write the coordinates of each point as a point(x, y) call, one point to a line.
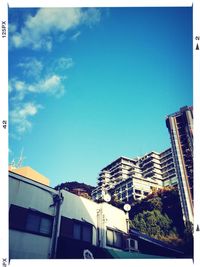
point(101, 215)
point(28, 246)
point(79, 208)
point(115, 218)
point(23, 244)
point(28, 196)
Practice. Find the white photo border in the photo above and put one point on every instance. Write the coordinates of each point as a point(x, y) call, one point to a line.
point(4, 243)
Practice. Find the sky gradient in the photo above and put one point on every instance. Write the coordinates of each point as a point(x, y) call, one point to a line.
point(87, 86)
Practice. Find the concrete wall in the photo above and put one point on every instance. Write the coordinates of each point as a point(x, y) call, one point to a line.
point(112, 217)
point(28, 246)
point(115, 218)
point(100, 215)
point(24, 193)
point(80, 208)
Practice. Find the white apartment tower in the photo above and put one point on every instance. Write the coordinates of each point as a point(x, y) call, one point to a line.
point(130, 179)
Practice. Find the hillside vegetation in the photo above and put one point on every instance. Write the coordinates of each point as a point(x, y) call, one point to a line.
point(80, 189)
point(160, 216)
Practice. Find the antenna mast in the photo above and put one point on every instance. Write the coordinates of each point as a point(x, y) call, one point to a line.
point(13, 165)
point(21, 159)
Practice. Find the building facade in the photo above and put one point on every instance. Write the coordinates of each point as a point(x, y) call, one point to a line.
point(180, 126)
point(168, 168)
point(31, 218)
point(46, 223)
point(131, 179)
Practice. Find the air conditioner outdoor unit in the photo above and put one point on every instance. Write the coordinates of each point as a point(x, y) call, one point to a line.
point(131, 244)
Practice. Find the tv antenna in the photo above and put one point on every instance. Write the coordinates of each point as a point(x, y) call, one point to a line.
point(21, 159)
point(13, 165)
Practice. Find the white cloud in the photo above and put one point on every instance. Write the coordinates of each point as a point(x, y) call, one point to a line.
point(31, 67)
point(35, 82)
point(51, 85)
point(64, 63)
point(21, 112)
point(12, 28)
point(75, 36)
point(17, 40)
point(38, 29)
point(20, 116)
point(17, 88)
point(91, 16)
point(19, 85)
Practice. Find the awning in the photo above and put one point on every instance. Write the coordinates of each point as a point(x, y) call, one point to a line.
point(76, 249)
point(117, 254)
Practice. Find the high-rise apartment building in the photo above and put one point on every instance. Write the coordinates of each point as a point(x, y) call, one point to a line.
point(130, 179)
point(168, 169)
point(180, 126)
point(114, 173)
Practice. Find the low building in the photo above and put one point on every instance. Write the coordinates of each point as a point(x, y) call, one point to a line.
point(42, 218)
point(28, 172)
point(31, 218)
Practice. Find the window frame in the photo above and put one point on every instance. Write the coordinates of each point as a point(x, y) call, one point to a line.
point(83, 224)
point(130, 185)
point(21, 225)
point(123, 188)
point(138, 191)
point(130, 192)
point(113, 238)
point(41, 216)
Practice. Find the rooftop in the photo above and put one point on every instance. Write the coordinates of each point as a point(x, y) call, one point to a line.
point(30, 173)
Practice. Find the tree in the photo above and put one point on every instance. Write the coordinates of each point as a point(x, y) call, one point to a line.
point(153, 223)
point(155, 203)
point(77, 188)
point(160, 216)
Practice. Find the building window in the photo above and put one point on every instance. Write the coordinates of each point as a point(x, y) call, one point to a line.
point(38, 223)
point(123, 195)
point(137, 191)
point(113, 238)
point(117, 190)
point(66, 227)
point(82, 231)
point(77, 231)
point(130, 185)
point(130, 192)
point(145, 193)
point(123, 188)
point(31, 221)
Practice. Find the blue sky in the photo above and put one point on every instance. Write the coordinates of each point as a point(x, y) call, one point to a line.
point(87, 86)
